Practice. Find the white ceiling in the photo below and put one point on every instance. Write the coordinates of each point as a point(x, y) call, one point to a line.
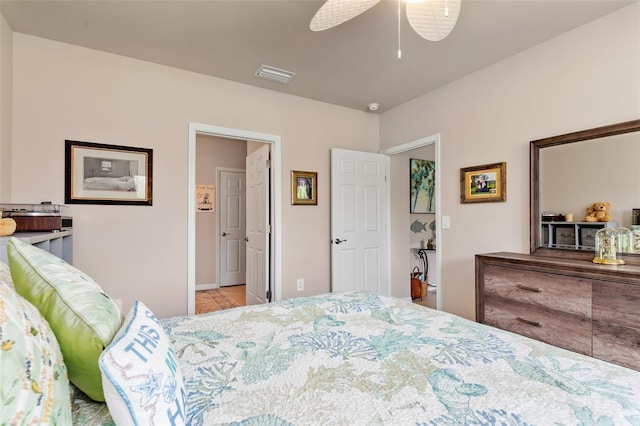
point(352, 65)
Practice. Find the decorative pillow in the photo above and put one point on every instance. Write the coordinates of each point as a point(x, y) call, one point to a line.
point(35, 387)
point(142, 381)
point(83, 318)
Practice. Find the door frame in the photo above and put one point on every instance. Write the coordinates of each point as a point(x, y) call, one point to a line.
point(276, 203)
point(408, 146)
point(218, 198)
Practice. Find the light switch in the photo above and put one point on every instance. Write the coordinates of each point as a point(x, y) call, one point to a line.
point(446, 222)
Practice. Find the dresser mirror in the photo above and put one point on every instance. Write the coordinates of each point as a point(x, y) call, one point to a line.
point(572, 171)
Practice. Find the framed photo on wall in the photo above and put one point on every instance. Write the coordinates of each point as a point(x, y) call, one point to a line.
point(485, 183)
point(422, 176)
point(107, 174)
point(304, 188)
point(205, 199)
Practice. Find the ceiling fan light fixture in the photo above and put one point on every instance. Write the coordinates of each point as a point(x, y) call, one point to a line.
point(335, 12)
point(268, 72)
point(433, 20)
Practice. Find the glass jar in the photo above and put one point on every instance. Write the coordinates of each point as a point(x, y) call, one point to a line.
point(635, 230)
point(625, 242)
point(607, 247)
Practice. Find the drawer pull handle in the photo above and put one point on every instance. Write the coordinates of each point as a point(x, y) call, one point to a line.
point(526, 321)
point(534, 289)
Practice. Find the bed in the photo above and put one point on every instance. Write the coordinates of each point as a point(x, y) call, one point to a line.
point(123, 183)
point(363, 358)
point(353, 358)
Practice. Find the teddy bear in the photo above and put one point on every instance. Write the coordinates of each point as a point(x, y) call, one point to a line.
point(599, 212)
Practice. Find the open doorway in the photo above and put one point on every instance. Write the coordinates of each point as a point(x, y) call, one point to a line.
point(243, 137)
point(220, 211)
point(220, 223)
point(404, 253)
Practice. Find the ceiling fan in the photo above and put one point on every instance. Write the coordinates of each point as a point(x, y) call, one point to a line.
point(431, 19)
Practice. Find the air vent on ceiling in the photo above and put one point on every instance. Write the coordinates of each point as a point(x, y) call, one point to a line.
point(275, 74)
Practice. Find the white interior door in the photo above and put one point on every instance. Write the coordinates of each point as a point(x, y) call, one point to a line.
point(232, 228)
point(359, 221)
point(258, 227)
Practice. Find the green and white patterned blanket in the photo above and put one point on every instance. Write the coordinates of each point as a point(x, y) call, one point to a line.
point(362, 359)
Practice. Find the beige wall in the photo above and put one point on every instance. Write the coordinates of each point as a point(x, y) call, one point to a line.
point(212, 152)
point(574, 176)
point(582, 79)
point(67, 92)
point(585, 78)
point(6, 97)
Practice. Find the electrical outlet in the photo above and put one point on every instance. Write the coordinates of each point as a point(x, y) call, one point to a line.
point(300, 284)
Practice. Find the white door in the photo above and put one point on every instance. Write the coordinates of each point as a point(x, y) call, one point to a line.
point(258, 226)
point(359, 220)
point(232, 228)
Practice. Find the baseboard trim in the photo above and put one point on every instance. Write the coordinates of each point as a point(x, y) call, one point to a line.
point(211, 286)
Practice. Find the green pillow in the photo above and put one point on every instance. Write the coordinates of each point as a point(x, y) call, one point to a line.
point(35, 387)
point(83, 318)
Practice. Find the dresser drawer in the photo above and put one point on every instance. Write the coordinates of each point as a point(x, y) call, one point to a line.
point(539, 289)
point(616, 303)
point(572, 332)
point(617, 344)
point(616, 323)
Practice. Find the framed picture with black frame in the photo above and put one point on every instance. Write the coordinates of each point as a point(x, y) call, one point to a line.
point(98, 173)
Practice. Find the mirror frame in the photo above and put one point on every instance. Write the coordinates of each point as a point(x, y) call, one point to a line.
point(535, 215)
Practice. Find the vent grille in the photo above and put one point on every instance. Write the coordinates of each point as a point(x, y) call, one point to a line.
point(274, 74)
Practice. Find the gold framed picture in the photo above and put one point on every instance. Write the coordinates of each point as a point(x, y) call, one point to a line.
point(485, 183)
point(304, 188)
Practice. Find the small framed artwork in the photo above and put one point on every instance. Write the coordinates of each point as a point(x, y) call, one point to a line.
point(205, 199)
point(107, 174)
point(304, 188)
point(486, 183)
point(422, 176)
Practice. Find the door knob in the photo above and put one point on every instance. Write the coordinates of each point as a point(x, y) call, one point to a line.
point(338, 241)
point(224, 234)
point(246, 239)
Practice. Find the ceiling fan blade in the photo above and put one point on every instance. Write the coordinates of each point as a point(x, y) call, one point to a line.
point(431, 20)
point(335, 12)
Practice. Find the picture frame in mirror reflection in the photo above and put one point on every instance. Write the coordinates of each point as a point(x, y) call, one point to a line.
point(484, 183)
point(304, 188)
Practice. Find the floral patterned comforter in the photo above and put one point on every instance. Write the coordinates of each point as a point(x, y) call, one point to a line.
point(362, 358)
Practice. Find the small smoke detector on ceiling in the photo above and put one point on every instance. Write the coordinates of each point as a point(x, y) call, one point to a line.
point(373, 106)
point(274, 74)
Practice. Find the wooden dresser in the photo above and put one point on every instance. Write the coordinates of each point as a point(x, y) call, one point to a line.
point(574, 304)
